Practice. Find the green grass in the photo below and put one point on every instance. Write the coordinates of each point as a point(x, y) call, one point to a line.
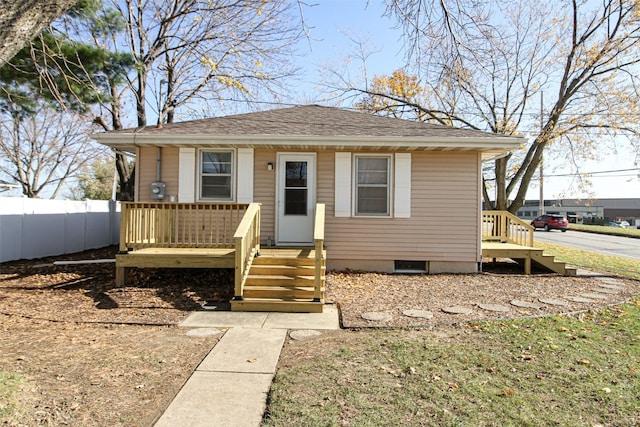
point(625, 267)
point(10, 385)
point(605, 229)
point(561, 370)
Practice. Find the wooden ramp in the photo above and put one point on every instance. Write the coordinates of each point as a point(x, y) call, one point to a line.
point(282, 280)
point(527, 255)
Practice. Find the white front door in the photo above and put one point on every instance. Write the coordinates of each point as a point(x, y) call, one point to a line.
point(296, 198)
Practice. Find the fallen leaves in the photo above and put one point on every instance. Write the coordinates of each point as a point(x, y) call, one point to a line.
point(508, 392)
point(358, 293)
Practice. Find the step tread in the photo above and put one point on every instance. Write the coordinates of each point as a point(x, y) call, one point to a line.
point(291, 286)
point(285, 305)
point(282, 276)
point(285, 268)
point(282, 300)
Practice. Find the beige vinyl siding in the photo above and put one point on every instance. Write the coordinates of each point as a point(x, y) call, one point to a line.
point(443, 222)
point(444, 214)
point(264, 190)
point(146, 161)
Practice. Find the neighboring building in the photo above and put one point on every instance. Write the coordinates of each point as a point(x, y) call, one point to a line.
point(398, 194)
point(602, 209)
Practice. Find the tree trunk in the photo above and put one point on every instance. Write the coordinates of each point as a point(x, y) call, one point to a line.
point(22, 20)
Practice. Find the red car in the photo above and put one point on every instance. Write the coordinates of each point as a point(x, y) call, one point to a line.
point(551, 222)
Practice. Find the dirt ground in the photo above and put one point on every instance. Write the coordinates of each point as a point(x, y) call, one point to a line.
point(94, 354)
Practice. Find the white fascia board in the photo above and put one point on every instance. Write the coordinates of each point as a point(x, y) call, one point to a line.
point(128, 139)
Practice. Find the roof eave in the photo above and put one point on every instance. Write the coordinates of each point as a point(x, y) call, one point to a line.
point(478, 143)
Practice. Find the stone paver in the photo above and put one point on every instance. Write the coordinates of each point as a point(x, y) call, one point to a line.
point(525, 304)
point(304, 334)
point(376, 316)
point(605, 291)
point(579, 299)
point(612, 282)
point(420, 314)
point(612, 287)
point(457, 309)
point(594, 296)
point(554, 301)
point(494, 307)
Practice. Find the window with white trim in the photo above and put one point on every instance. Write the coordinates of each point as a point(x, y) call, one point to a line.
point(216, 175)
point(372, 185)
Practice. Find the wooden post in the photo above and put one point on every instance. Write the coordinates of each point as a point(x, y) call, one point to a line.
point(239, 270)
point(318, 237)
point(124, 224)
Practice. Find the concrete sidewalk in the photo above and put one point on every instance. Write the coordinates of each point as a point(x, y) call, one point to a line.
point(230, 386)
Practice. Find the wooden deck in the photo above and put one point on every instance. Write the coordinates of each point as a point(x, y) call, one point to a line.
point(183, 235)
point(504, 235)
point(527, 255)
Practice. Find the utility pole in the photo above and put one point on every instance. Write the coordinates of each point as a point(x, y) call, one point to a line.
point(541, 157)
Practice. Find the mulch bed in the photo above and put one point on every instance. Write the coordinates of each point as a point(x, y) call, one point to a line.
point(481, 295)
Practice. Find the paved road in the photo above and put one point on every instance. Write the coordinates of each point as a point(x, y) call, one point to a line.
point(602, 243)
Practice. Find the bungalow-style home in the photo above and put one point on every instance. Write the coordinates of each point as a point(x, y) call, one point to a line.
point(344, 189)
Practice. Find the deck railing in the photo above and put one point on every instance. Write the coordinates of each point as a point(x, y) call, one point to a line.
point(505, 227)
point(247, 245)
point(318, 240)
point(179, 225)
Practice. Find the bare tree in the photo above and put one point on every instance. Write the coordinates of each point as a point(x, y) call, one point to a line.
point(42, 152)
point(192, 54)
point(194, 51)
point(484, 65)
point(21, 21)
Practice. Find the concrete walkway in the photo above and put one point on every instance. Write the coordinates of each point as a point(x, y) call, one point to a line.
point(230, 386)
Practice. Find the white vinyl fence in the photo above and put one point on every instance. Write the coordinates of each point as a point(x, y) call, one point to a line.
point(35, 228)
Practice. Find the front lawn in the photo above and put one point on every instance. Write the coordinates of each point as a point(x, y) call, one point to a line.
point(581, 370)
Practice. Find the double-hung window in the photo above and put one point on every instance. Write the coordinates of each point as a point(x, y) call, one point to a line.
point(216, 175)
point(373, 185)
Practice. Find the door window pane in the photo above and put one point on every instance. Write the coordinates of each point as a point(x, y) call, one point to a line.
point(296, 174)
point(295, 201)
point(295, 192)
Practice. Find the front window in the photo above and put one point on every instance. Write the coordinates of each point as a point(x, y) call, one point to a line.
point(372, 185)
point(216, 175)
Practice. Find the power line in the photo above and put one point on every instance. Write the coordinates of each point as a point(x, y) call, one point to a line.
point(595, 173)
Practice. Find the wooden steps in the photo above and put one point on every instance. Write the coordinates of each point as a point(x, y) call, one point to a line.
point(282, 281)
point(549, 262)
point(526, 255)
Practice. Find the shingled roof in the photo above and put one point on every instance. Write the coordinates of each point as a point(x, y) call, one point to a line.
point(308, 120)
point(310, 126)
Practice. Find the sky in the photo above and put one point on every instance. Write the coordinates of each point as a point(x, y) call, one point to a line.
point(334, 22)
